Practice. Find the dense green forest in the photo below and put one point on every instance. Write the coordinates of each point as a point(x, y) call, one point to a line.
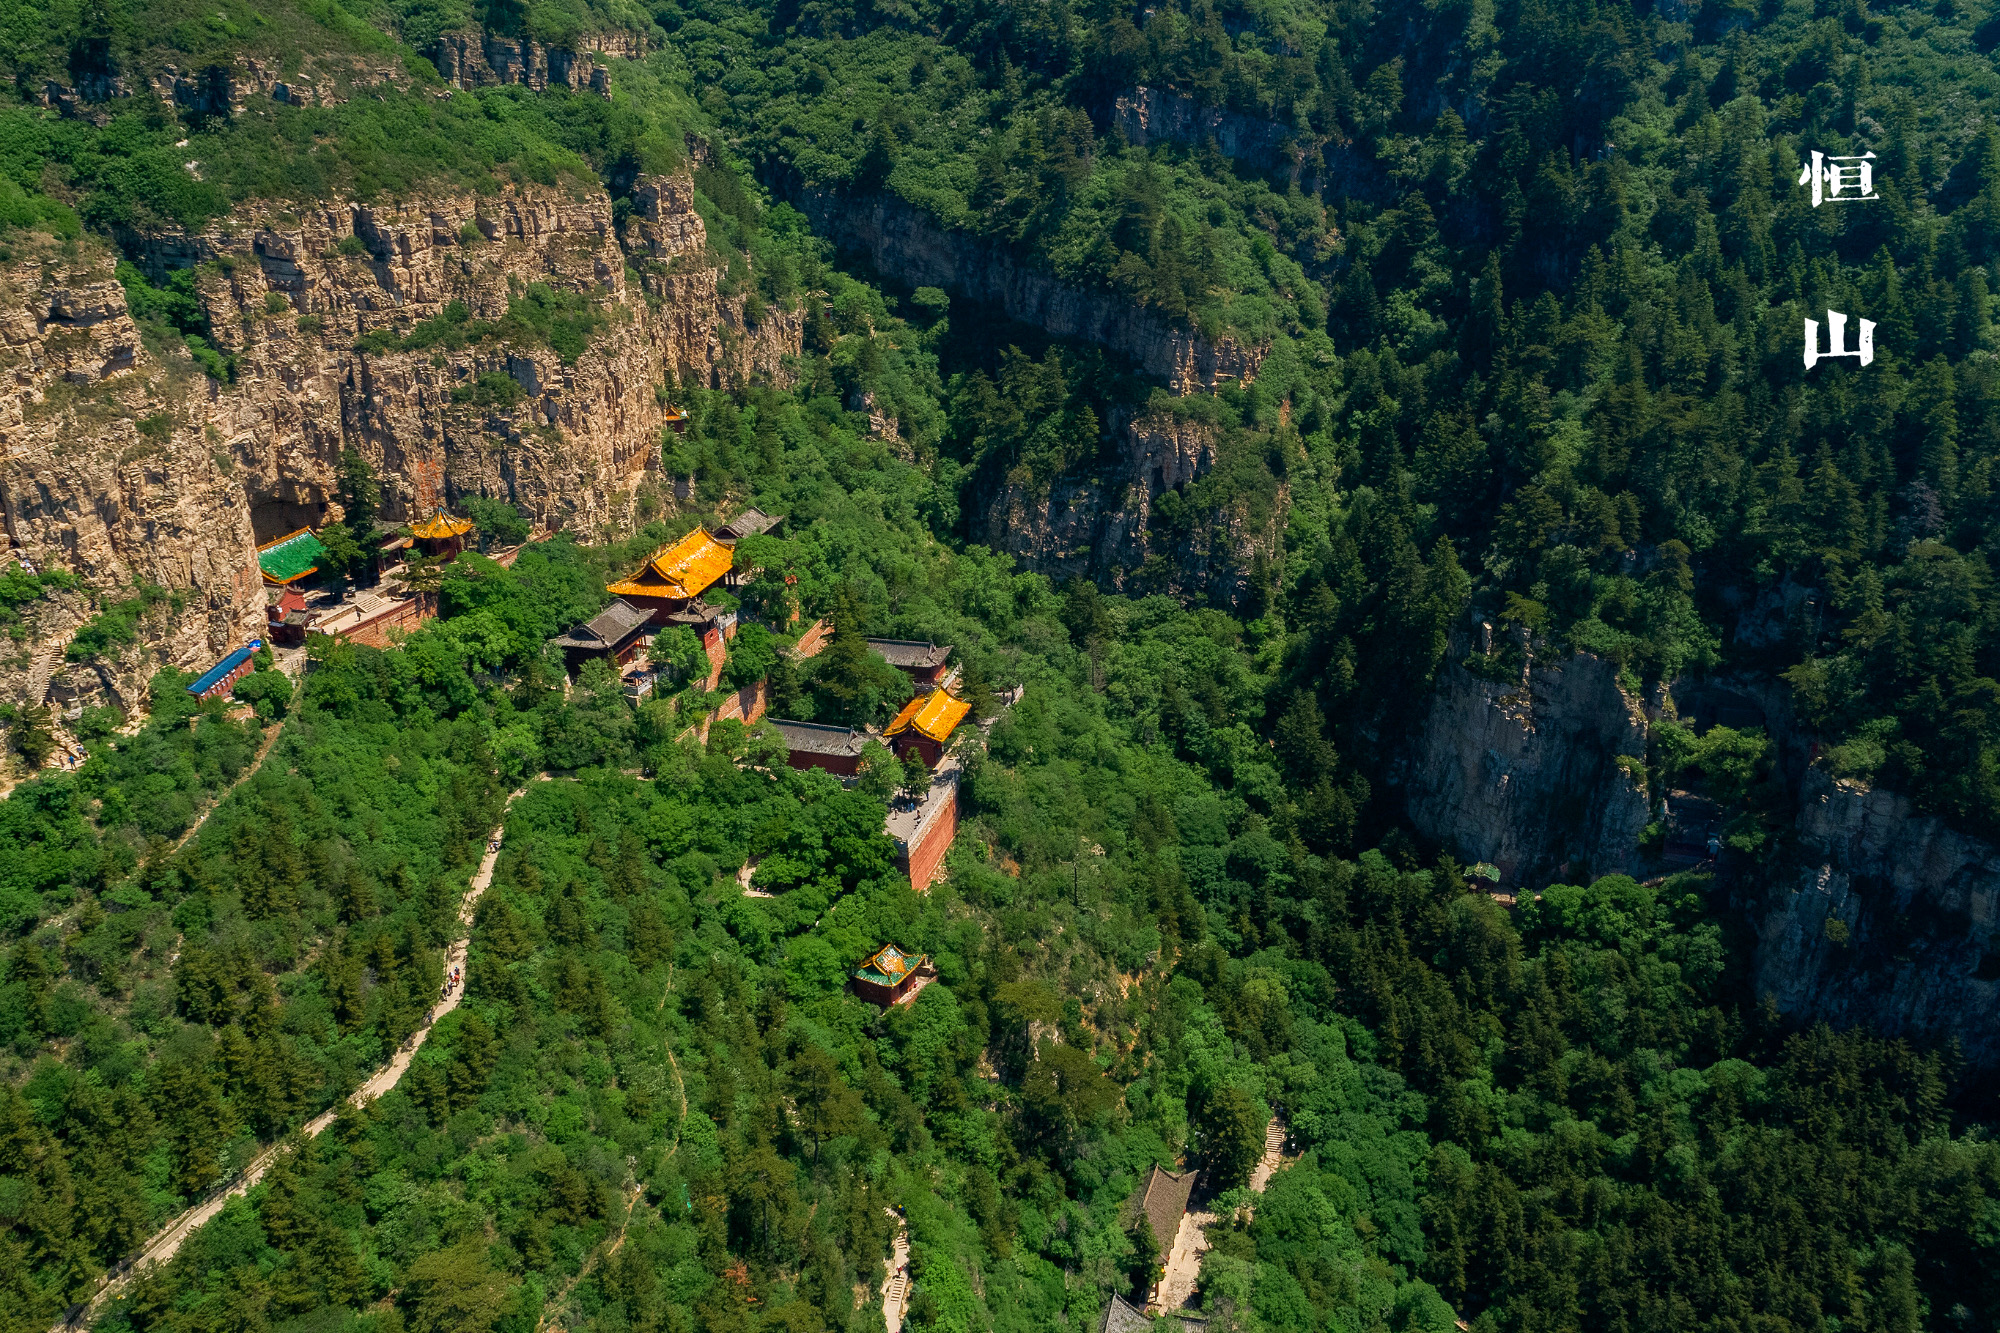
point(1528, 282)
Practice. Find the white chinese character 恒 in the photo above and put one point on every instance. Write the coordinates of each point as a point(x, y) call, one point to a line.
point(1836, 329)
point(1833, 183)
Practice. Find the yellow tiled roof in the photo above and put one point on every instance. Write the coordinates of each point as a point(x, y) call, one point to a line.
point(440, 526)
point(933, 716)
point(683, 569)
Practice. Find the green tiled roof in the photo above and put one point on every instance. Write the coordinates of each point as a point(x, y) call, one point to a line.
point(888, 966)
point(290, 557)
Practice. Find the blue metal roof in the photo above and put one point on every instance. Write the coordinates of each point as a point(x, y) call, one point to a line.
point(220, 671)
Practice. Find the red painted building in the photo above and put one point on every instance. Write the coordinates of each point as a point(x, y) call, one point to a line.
point(815, 745)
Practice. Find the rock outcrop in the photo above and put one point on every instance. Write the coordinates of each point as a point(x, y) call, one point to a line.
point(1160, 115)
point(1893, 922)
point(1526, 772)
point(484, 59)
point(1883, 917)
point(902, 239)
point(1100, 527)
point(126, 464)
point(107, 472)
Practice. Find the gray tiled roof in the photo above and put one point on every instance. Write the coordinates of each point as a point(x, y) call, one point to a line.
point(1163, 1200)
point(613, 625)
point(1121, 1317)
point(818, 738)
point(910, 653)
point(750, 523)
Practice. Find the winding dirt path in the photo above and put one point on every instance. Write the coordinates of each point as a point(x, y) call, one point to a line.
point(635, 1193)
point(263, 753)
point(167, 1243)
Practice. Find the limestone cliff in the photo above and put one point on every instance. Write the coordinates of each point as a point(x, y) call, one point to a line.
point(1161, 115)
point(108, 472)
point(482, 59)
point(1892, 920)
point(902, 239)
point(1101, 527)
point(1525, 772)
point(1882, 916)
point(183, 501)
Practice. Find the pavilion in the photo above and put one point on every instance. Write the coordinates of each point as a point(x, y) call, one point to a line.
point(441, 534)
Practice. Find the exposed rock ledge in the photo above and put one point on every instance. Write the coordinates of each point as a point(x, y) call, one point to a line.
point(903, 240)
point(1525, 772)
point(1890, 918)
point(1893, 922)
point(1100, 528)
point(1161, 115)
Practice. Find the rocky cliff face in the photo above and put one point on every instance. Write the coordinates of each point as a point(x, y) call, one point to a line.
point(1893, 921)
point(108, 472)
point(1884, 917)
point(1100, 527)
point(482, 59)
point(1525, 772)
point(1160, 115)
point(902, 239)
point(125, 463)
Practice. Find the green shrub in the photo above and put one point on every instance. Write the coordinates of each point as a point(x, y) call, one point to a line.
point(493, 388)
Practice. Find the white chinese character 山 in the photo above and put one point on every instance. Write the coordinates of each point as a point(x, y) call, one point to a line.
point(1833, 183)
point(1836, 328)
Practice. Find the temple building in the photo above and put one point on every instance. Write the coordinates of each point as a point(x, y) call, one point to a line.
point(291, 557)
point(219, 679)
point(922, 662)
point(288, 617)
point(891, 976)
point(837, 750)
point(441, 534)
point(752, 522)
point(927, 722)
point(617, 632)
point(675, 575)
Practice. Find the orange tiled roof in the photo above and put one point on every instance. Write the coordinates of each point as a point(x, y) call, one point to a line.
point(440, 526)
point(683, 569)
point(933, 716)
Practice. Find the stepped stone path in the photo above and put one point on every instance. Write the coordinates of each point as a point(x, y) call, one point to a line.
point(1183, 1265)
point(1274, 1155)
point(167, 1243)
point(896, 1291)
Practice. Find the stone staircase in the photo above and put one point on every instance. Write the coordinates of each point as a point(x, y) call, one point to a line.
point(42, 669)
point(1274, 1138)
